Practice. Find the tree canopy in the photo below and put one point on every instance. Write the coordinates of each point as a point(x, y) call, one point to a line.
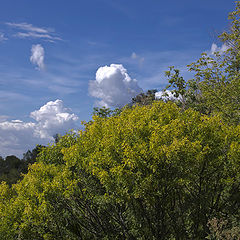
point(149, 172)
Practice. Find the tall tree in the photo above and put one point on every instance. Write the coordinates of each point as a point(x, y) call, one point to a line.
point(216, 83)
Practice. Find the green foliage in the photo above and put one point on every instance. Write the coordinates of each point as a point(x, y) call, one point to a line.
point(223, 230)
point(156, 157)
point(12, 168)
point(152, 172)
point(31, 156)
point(176, 81)
point(231, 37)
point(7, 222)
point(215, 87)
point(145, 98)
point(105, 112)
point(219, 85)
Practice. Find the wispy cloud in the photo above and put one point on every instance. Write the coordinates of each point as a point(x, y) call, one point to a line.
point(151, 73)
point(37, 56)
point(138, 58)
point(2, 37)
point(29, 31)
point(28, 27)
point(36, 35)
point(60, 79)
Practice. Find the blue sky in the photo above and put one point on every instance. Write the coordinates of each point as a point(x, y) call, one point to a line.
point(50, 52)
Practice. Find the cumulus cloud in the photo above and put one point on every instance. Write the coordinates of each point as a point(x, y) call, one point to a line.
point(53, 118)
point(16, 136)
point(29, 31)
point(113, 86)
point(215, 48)
point(166, 96)
point(37, 57)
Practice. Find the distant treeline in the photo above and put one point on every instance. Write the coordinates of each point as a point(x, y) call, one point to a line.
point(12, 168)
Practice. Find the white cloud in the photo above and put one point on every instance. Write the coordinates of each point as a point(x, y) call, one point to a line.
point(16, 136)
point(30, 31)
point(113, 86)
point(2, 37)
point(215, 48)
point(27, 27)
point(138, 58)
point(134, 55)
point(36, 35)
point(166, 96)
point(53, 118)
point(37, 56)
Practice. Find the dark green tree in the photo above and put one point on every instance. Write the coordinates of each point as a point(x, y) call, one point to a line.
point(105, 112)
point(30, 156)
point(144, 98)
